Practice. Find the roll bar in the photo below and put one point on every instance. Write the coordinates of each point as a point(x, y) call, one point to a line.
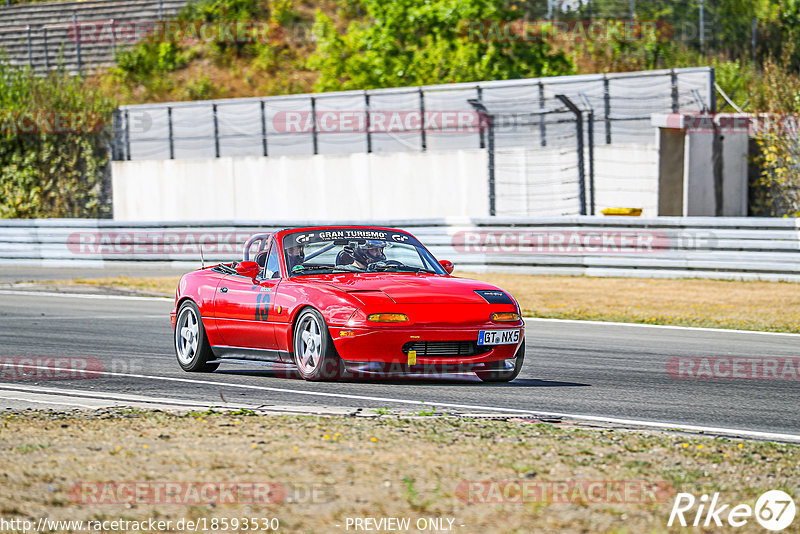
point(265, 240)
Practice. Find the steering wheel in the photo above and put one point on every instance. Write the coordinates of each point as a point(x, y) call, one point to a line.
point(383, 263)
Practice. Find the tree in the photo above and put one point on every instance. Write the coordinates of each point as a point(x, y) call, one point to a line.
point(418, 42)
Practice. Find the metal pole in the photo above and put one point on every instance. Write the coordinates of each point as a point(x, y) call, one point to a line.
point(542, 125)
point(369, 123)
point(486, 121)
point(607, 109)
point(702, 24)
point(314, 124)
point(633, 9)
point(712, 89)
point(264, 150)
point(579, 130)
point(481, 137)
point(216, 130)
point(753, 37)
point(591, 152)
point(77, 40)
point(169, 129)
point(423, 141)
point(674, 84)
point(160, 9)
point(127, 136)
point(46, 54)
point(30, 52)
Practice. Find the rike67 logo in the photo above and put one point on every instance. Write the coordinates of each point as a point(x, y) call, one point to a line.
point(774, 510)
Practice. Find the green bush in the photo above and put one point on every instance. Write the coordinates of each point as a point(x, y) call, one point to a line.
point(407, 42)
point(54, 139)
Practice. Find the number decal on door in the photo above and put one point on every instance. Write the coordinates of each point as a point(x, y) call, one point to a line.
point(262, 306)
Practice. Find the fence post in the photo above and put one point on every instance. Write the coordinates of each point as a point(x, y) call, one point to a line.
point(579, 130)
point(46, 54)
point(607, 108)
point(169, 130)
point(423, 140)
point(674, 83)
point(486, 119)
point(216, 130)
point(77, 40)
point(263, 130)
point(542, 125)
point(369, 123)
point(590, 131)
point(30, 52)
point(482, 144)
point(127, 136)
point(314, 124)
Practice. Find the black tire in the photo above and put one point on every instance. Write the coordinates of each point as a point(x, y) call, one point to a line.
point(314, 354)
point(191, 344)
point(505, 376)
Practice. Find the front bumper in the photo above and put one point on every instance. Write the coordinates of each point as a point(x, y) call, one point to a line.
point(379, 348)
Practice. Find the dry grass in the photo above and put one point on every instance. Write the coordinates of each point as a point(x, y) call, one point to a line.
point(770, 306)
point(372, 467)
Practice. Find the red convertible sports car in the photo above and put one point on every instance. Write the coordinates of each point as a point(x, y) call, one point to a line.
point(338, 301)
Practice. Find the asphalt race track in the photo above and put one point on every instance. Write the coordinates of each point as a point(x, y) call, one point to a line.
point(609, 371)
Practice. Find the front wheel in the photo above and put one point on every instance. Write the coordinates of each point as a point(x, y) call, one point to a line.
point(502, 374)
point(191, 344)
point(314, 353)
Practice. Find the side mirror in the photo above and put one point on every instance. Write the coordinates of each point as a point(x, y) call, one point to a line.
point(249, 269)
point(448, 265)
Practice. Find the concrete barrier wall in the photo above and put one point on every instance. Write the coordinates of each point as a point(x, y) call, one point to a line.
point(396, 185)
point(669, 247)
point(540, 182)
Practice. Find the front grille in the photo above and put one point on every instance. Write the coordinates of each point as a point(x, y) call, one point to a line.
point(445, 348)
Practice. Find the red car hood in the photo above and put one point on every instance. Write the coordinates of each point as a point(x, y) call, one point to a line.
point(411, 288)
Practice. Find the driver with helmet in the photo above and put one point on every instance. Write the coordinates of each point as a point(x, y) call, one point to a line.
point(295, 255)
point(368, 253)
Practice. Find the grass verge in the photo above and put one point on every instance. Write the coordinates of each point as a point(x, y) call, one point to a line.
point(332, 468)
point(766, 306)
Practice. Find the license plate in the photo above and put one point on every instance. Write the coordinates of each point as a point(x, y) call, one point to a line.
point(498, 337)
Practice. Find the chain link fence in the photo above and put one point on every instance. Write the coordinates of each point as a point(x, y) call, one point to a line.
point(437, 117)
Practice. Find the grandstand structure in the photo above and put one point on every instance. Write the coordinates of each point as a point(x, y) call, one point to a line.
point(83, 36)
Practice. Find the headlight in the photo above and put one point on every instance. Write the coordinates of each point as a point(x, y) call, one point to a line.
point(505, 317)
point(387, 318)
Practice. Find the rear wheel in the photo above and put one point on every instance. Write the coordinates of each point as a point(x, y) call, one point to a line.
point(314, 353)
point(191, 344)
point(501, 374)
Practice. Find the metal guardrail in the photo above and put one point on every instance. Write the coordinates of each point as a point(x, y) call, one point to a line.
point(696, 247)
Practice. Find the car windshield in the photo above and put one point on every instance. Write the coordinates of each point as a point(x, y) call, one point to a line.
point(356, 250)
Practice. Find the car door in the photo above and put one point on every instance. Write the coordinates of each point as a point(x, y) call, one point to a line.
point(245, 312)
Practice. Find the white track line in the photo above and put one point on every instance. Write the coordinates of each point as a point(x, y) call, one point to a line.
point(580, 417)
point(81, 295)
point(664, 326)
point(531, 319)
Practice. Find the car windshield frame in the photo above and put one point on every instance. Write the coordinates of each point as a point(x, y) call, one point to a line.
point(339, 239)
